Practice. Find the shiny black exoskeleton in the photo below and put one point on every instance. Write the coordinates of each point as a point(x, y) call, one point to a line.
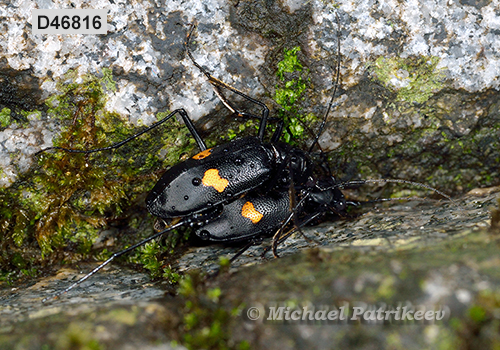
point(264, 173)
point(245, 172)
point(220, 174)
point(256, 215)
point(242, 190)
point(249, 217)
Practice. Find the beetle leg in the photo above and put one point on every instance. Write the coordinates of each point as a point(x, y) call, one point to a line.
point(277, 133)
point(241, 251)
point(277, 240)
point(115, 255)
point(187, 121)
point(219, 85)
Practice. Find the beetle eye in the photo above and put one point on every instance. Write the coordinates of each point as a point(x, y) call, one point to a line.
point(340, 205)
point(204, 234)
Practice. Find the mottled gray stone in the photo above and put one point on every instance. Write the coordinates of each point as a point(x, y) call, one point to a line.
point(239, 42)
point(373, 260)
point(448, 139)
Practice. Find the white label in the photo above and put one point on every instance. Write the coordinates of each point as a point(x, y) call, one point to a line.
point(73, 21)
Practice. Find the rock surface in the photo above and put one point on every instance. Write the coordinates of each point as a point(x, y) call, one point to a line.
point(442, 56)
point(432, 255)
point(419, 100)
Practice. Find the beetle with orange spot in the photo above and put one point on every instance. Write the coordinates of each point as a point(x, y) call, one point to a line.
point(243, 190)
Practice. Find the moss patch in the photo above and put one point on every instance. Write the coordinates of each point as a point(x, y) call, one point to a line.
point(67, 198)
point(293, 81)
point(206, 323)
point(413, 79)
point(5, 117)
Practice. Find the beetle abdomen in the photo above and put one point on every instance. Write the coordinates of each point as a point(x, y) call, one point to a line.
point(211, 177)
point(253, 215)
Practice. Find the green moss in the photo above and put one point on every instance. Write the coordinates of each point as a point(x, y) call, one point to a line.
point(413, 79)
point(289, 94)
point(5, 117)
point(69, 197)
point(170, 275)
point(293, 81)
point(206, 322)
point(108, 79)
point(206, 319)
point(69, 193)
point(290, 63)
point(232, 133)
point(149, 257)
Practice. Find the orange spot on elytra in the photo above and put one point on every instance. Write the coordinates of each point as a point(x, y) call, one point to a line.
point(248, 211)
point(212, 178)
point(203, 154)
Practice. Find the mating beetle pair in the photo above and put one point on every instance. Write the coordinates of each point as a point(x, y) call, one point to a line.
point(258, 174)
point(242, 190)
point(254, 181)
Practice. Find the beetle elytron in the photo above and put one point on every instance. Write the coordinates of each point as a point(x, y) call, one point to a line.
point(242, 190)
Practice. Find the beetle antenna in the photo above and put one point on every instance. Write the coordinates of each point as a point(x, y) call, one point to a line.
point(115, 255)
point(337, 79)
point(218, 85)
point(342, 185)
point(417, 184)
point(378, 200)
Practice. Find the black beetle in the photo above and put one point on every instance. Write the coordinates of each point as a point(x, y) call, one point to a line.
point(216, 176)
point(243, 190)
point(211, 189)
point(221, 174)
